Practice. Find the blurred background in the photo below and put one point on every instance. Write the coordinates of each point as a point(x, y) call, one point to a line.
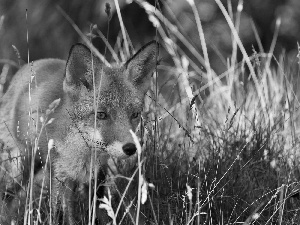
point(51, 35)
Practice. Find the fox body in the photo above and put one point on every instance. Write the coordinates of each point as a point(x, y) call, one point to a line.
point(86, 109)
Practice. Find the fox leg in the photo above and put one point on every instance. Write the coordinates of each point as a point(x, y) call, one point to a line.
point(117, 189)
point(61, 202)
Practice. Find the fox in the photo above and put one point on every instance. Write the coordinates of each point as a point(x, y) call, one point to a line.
point(86, 109)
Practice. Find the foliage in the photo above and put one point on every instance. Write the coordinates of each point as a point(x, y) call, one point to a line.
point(220, 149)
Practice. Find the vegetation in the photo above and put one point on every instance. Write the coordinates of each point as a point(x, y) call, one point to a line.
point(218, 148)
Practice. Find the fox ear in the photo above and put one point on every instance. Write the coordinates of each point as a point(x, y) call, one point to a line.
point(141, 66)
point(79, 69)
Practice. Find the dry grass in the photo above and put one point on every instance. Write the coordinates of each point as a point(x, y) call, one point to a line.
point(224, 151)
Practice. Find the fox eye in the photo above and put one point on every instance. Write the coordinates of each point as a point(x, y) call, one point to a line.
point(102, 116)
point(135, 115)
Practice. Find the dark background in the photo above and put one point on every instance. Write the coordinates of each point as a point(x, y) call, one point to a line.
point(50, 35)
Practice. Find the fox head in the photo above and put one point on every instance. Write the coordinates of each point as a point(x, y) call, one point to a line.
point(104, 103)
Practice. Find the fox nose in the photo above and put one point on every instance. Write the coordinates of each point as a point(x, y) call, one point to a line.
point(129, 149)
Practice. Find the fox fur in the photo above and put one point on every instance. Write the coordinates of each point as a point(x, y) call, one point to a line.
point(86, 109)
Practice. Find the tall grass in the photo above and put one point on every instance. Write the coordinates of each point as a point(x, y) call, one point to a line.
point(238, 152)
point(218, 149)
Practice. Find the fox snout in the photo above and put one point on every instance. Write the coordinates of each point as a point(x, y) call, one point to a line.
point(121, 150)
point(129, 149)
